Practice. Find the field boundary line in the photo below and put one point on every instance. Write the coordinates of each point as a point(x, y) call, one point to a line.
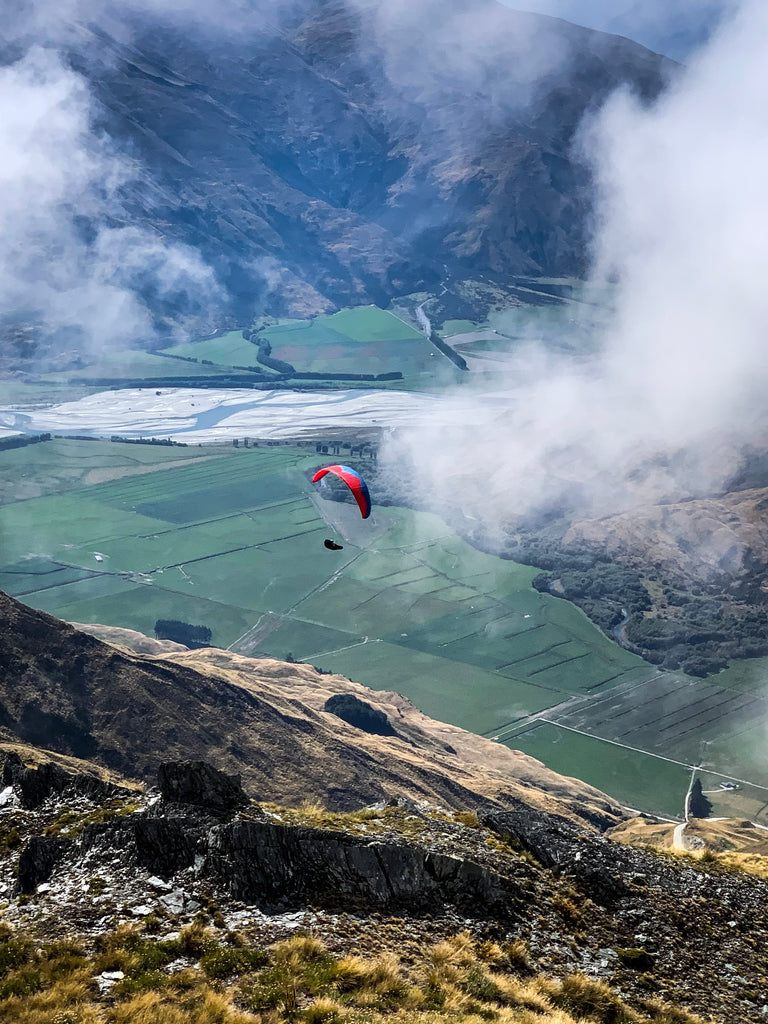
point(650, 753)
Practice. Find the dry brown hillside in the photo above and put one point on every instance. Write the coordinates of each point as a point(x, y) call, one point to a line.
point(66, 691)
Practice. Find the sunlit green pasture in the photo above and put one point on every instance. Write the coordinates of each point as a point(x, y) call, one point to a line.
point(750, 674)
point(361, 340)
point(62, 464)
point(451, 327)
point(134, 364)
point(636, 779)
point(228, 349)
point(445, 690)
point(364, 339)
point(237, 528)
point(369, 323)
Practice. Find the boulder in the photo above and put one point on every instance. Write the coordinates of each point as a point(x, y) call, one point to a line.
point(359, 713)
point(198, 783)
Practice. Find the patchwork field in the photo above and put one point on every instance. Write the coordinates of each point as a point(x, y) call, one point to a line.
point(636, 778)
point(233, 539)
point(362, 340)
point(365, 339)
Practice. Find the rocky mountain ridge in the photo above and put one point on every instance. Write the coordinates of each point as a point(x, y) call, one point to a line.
point(196, 850)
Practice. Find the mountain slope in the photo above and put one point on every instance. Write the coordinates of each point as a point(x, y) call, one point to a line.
point(69, 693)
point(359, 151)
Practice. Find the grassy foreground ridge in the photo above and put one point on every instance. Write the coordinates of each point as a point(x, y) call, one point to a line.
point(201, 976)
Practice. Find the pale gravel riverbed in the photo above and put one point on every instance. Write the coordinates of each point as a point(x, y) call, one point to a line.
point(203, 416)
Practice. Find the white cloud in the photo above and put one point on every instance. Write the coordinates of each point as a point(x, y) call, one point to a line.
point(65, 257)
point(679, 380)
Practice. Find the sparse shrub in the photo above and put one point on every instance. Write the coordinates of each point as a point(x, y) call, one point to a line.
point(273, 988)
point(149, 955)
point(64, 823)
point(183, 981)
point(146, 1008)
point(128, 949)
point(96, 885)
point(21, 983)
point(141, 981)
point(71, 823)
point(301, 964)
point(662, 1013)
point(530, 995)
point(516, 953)
point(350, 974)
point(322, 1011)
point(456, 951)
point(10, 838)
point(480, 1010)
point(383, 978)
point(479, 986)
point(491, 953)
point(194, 940)
point(224, 962)
point(63, 958)
point(636, 959)
point(585, 997)
point(14, 952)
point(566, 907)
point(468, 818)
point(434, 996)
point(311, 808)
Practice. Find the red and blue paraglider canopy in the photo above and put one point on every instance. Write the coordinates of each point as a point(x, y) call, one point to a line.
point(354, 482)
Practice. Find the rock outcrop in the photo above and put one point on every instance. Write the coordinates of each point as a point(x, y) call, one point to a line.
point(359, 713)
point(34, 785)
point(196, 782)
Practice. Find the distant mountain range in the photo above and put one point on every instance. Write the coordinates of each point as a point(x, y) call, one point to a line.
point(346, 157)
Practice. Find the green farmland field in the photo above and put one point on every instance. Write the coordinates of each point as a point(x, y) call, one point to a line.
point(364, 339)
point(361, 324)
point(96, 531)
point(639, 780)
point(134, 364)
point(229, 349)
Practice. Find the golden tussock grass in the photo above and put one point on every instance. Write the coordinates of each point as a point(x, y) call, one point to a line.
point(297, 981)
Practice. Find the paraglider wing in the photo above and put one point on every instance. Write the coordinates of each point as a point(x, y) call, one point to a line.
point(354, 482)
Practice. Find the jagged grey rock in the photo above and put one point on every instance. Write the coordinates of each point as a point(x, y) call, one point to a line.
point(38, 860)
point(266, 861)
point(35, 785)
point(198, 783)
